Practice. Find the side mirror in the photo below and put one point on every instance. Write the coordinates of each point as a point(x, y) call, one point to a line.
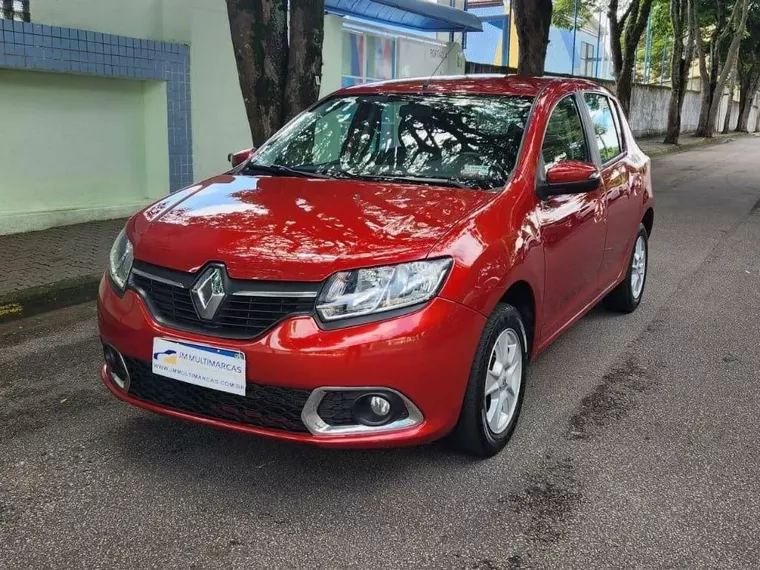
point(570, 177)
point(240, 156)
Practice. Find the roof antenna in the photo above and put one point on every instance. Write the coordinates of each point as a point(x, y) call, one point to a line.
point(426, 84)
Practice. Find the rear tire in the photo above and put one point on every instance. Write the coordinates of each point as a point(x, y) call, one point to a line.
point(627, 295)
point(487, 419)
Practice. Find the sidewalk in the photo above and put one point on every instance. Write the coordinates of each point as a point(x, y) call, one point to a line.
point(53, 268)
point(654, 146)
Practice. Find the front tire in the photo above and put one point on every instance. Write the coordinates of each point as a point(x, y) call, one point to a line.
point(496, 386)
point(627, 295)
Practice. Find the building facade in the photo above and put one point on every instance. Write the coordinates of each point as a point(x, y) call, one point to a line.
point(582, 51)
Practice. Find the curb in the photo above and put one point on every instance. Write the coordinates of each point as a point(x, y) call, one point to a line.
point(670, 149)
point(43, 298)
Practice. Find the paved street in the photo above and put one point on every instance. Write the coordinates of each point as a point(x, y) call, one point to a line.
point(637, 445)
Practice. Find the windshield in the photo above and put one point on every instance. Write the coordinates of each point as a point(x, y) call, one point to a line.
point(459, 140)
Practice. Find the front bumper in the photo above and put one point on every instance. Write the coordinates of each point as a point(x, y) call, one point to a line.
point(425, 356)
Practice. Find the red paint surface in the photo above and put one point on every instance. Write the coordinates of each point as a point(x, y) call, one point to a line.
point(570, 171)
point(570, 250)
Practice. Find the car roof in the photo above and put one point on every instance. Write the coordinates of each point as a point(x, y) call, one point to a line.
point(471, 84)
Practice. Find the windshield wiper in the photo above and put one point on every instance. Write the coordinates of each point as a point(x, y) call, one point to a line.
point(408, 179)
point(280, 170)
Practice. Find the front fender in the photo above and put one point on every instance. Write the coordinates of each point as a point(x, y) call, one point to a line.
point(494, 249)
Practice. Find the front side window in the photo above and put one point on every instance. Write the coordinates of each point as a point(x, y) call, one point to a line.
point(461, 140)
point(565, 139)
point(605, 124)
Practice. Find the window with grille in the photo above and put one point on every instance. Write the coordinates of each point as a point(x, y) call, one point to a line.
point(587, 59)
point(14, 10)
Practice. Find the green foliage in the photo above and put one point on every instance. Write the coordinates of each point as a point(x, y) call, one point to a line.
point(661, 44)
point(563, 12)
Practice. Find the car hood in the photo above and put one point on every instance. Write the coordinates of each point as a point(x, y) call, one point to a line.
point(297, 229)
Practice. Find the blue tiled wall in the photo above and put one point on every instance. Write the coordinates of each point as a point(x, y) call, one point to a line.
point(66, 50)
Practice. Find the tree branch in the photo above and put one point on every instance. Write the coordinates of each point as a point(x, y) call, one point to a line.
point(625, 15)
point(734, 15)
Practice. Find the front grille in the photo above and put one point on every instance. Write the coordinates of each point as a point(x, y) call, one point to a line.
point(263, 406)
point(239, 316)
point(173, 303)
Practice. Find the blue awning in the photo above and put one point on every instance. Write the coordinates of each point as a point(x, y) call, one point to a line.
point(414, 14)
point(496, 21)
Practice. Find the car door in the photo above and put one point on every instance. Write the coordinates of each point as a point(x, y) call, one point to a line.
point(572, 225)
point(615, 171)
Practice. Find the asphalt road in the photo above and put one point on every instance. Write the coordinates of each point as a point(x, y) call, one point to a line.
point(637, 445)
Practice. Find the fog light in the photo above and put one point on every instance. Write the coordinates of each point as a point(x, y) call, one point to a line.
point(377, 408)
point(117, 369)
point(380, 406)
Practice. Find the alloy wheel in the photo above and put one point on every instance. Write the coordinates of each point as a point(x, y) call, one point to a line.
point(502, 382)
point(638, 267)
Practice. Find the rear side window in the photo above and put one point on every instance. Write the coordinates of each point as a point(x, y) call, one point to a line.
point(565, 139)
point(606, 125)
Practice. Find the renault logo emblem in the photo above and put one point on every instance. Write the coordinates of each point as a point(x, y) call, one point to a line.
point(208, 293)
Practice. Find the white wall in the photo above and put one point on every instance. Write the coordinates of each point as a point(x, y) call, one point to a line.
point(649, 110)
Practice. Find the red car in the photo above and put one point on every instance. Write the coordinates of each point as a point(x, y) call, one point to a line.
point(382, 270)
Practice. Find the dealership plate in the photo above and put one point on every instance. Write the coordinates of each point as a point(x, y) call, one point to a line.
point(207, 366)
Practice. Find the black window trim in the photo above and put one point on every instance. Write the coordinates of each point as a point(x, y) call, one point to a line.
point(615, 109)
point(583, 115)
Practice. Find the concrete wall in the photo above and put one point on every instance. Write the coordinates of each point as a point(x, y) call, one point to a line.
point(649, 111)
point(649, 115)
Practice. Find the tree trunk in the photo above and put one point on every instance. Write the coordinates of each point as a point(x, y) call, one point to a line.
point(747, 89)
point(681, 16)
point(259, 30)
point(307, 27)
point(616, 33)
point(624, 89)
point(704, 76)
point(740, 24)
point(625, 34)
point(532, 19)
point(730, 105)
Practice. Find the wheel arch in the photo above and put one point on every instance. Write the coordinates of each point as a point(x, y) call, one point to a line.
point(521, 296)
point(648, 221)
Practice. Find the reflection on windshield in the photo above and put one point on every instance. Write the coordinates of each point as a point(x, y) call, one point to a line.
point(459, 140)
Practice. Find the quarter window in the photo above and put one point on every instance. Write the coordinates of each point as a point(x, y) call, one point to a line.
point(565, 139)
point(606, 126)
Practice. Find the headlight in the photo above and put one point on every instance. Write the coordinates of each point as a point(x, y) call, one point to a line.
point(377, 289)
point(120, 260)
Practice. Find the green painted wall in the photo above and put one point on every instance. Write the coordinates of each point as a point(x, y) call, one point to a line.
point(73, 147)
point(332, 55)
point(103, 142)
point(218, 114)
